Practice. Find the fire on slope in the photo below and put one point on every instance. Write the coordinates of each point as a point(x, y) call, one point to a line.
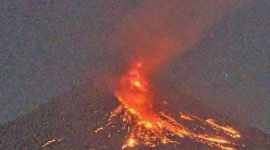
point(149, 127)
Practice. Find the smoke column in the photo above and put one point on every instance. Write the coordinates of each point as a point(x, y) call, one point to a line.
point(158, 30)
point(147, 37)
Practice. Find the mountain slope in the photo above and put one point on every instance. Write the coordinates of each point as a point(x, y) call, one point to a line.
point(69, 121)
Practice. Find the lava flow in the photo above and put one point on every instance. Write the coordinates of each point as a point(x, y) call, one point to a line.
point(151, 128)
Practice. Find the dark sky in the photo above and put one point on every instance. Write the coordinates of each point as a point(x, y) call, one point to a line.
point(48, 47)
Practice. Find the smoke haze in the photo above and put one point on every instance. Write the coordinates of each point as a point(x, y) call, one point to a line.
point(156, 31)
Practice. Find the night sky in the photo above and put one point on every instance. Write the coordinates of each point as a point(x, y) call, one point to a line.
point(48, 47)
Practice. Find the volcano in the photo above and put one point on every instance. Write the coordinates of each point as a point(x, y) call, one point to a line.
point(69, 122)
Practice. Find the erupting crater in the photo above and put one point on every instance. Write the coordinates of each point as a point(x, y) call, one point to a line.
point(149, 127)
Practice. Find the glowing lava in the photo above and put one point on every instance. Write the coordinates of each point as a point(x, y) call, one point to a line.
point(134, 92)
point(148, 127)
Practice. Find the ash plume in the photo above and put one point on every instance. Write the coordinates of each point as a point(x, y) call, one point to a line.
point(156, 31)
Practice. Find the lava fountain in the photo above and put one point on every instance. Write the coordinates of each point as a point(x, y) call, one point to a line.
point(149, 127)
point(152, 34)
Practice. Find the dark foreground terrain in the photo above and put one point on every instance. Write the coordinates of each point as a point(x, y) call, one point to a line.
point(69, 121)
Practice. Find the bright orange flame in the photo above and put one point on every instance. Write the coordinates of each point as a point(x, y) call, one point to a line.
point(134, 93)
point(149, 128)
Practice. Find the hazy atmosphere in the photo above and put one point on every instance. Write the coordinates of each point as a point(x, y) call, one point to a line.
point(49, 47)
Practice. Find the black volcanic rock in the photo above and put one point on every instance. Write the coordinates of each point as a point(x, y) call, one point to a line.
point(72, 118)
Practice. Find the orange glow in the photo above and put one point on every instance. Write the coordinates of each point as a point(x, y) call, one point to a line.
point(99, 129)
point(186, 117)
point(150, 128)
point(133, 91)
point(131, 142)
point(50, 142)
point(229, 130)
